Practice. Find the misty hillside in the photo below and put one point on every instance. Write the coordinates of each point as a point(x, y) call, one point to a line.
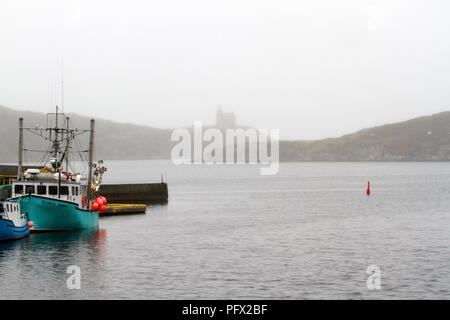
point(113, 140)
point(420, 139)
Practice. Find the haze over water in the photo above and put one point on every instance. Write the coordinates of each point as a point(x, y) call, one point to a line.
point(228, 233)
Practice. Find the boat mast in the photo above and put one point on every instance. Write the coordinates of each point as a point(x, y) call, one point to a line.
point(56, 144)
point(19, 172)
point(91, 161)
point(67, 144)
point(55, 141)
point(62, 84)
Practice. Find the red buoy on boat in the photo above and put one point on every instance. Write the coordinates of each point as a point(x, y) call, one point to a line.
point(368, 188)
point(102, 208)
point(99, 201)
point(30, 224)
point(94, 206)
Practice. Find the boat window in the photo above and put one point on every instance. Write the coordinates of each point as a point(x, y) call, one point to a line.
point(42, 190)
point(1, 208)
point(52, 190)
point(2, 181)
point(64, 191)
point(76, 191)
point(18, 189)
point(29, 189)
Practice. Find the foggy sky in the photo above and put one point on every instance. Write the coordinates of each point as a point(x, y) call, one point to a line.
point(312, 69)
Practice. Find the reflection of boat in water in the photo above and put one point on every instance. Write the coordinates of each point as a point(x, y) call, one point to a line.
point(13, 223)
point(67, 243)
point(68, 240)
point(79, 246)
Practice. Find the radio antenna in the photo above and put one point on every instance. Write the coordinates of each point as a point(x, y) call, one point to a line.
point(62, 84)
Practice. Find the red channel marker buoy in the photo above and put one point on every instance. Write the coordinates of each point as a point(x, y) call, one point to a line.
point(368, 188)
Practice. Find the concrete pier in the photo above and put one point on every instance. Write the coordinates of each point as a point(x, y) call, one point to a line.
point(148, 193)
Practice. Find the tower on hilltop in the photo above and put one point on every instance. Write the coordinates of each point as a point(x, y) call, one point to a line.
point(225, 120)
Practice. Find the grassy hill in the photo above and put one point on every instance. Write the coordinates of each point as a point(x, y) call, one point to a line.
point(419, 139)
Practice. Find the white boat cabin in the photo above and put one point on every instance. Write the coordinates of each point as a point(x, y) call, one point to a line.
point(67, 190)
point(11, 211)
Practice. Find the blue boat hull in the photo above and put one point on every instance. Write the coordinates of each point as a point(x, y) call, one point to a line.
point(9, 232)
point(49, 214)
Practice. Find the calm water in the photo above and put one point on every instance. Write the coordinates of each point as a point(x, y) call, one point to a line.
point(228, 233)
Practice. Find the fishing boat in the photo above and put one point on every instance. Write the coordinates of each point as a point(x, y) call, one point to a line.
point(13, 223)
point(55, 198)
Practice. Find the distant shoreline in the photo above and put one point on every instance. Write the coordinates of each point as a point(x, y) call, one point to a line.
point(423, 139)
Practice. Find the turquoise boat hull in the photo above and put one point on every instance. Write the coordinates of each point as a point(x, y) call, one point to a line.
point(48, 214)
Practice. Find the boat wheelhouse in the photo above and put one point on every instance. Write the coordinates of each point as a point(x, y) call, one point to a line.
point(13, 222)
point(67, 190)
